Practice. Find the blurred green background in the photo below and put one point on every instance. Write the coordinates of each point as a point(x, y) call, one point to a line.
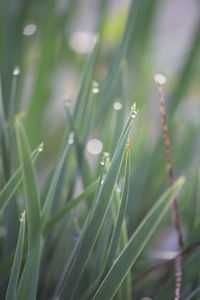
point(43, 51)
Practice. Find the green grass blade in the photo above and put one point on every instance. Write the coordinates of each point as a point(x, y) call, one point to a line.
point(118, 215)
point(70, 205)
point(78, 113)
point(32, 200)
point(27, 287)
point(52, 188)
point(96, 219)
point(14, 182)
point(120, 54)
point(3, 140)
point(136, 244)
point(78, 242)
point(17, 261)
point(91, 290)
point(86, 83)
point(119, 218)
point(120, 206)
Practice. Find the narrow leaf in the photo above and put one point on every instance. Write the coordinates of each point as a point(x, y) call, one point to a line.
point(14, 182)
point(28, 282)
point(136, 244)
point(96, 220)
point(70, 205)
point(32, 200)
point(17, 261)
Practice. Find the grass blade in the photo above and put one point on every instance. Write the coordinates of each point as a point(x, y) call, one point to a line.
point(136, 244)
point(120, 217)
point(73, 203)
point(96, 219)
point(32, 200)
point(28, 282)
point(14, 182)
point(17, 261)
point(120, 54)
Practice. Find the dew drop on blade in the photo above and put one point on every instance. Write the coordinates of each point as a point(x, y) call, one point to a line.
point(16, 71)
point(133, 114)
point(41, 147)
point(71, 138)
point(103, 160)
point(95, 87)
point(29, 29)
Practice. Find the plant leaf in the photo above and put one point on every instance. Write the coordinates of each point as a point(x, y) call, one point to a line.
point(136, 244)
point(32, 200)
point(27, 287)
point(72, 279)
point(17, 261)
point(69, 205)
point(14, 182)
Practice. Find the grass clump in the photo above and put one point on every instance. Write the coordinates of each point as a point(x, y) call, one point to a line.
point(77, 222)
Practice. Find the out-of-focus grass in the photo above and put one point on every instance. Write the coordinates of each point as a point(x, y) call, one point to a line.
point(78, 220)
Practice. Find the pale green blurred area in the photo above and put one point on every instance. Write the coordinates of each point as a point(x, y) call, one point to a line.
point(51, 56)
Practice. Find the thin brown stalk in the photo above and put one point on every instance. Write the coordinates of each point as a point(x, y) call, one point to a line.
point(176, 219)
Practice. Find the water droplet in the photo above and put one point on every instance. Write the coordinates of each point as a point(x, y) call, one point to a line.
point(71, 138)
point(103, 160)
point(94, 146)
point(102, 181)
point(29, 29)
point(95, 87)
point(117, 105)
point(119, 188)
point(160, 79)
point(22, 218)
point(82, 41)
point(41, 147)
point(16, 71)
point(133, 114)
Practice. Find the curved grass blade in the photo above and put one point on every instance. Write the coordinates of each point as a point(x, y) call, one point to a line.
point(17, 261)
point(32, 200)
point(68, 206)
point(136, 244)
point(96, 220)
point(14, 182)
